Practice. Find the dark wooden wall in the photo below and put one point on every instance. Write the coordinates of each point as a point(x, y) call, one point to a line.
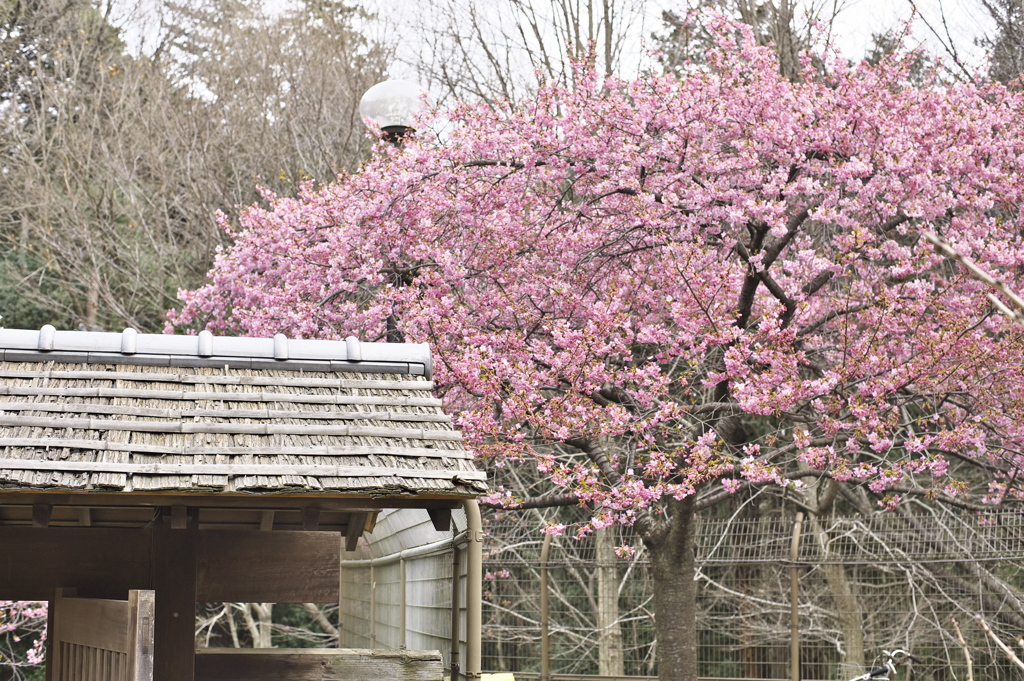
point(182, 564)
point(230, 565)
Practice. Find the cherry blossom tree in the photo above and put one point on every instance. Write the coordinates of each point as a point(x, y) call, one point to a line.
point(668, 291)
point(22, 636)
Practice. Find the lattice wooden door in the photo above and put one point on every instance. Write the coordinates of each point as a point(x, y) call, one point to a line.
point(102, 640)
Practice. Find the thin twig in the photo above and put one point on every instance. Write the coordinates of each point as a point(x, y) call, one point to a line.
point(1002, 646)
point(981, 275)
point(967, 652)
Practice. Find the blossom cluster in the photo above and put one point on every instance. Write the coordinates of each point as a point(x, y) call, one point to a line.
point(630, 264)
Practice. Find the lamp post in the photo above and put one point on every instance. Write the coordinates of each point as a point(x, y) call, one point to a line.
point(391, 107)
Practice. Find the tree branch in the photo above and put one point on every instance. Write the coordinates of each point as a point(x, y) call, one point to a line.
point(545, 501)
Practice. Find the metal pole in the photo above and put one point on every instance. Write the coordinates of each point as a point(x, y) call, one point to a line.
point(474, 588)
point(794, 600)
point(545, 612)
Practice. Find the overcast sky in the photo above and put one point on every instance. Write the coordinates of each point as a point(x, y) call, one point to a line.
point(853, 28)
point(856, 21)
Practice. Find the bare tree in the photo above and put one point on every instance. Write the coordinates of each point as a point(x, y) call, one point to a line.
point(115, 165)
point(496, 51)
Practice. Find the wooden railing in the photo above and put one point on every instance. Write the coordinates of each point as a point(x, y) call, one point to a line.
point(102, 640)
point(317, 664)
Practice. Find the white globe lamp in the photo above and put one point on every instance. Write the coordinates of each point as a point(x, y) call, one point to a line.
point(391, 107)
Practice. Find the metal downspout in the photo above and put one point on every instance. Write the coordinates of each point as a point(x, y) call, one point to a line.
point(474, 587)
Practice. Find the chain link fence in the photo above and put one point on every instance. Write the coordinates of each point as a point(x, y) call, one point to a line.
point(863, 585)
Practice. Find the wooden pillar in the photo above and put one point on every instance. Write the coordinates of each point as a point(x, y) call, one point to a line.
point(174, 581)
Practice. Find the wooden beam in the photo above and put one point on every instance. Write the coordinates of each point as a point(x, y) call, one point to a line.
point(85, 516)
point(242, 469)
point(190, 451)
point(79, 408)
point(229, 427)
point(441, 518)
point(356, 526)
point(371, 522)
point(179, 517)
point(323, 500)
point(41, 515)
point(279, 566)
point(267, 521)
point(311, 519)
point(100, 562)
point(175, 559)
point(313, 664)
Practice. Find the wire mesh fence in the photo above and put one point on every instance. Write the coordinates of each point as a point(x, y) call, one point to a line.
point(864, 585)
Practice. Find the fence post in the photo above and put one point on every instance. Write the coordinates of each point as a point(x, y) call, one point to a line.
point(794, 600)
point(545, 614)
point(455, 662)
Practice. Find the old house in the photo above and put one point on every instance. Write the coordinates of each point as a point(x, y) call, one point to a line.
point(142, 474)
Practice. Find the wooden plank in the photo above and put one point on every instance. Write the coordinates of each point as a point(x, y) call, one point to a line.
point(323, 470)
point(100, 562)
point(317, 664)
point(279, 566)
point(356, 527)
point(221, 379)
point(196, 395)
point(239, 500)
point(174, 567)
point(339, 450)
point(187, 414)
point(95, 623)
point(230, 428)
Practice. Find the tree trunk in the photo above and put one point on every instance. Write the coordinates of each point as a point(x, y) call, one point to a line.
point(92, 301)
point(611, 660)
point(675, 594)
point(848, 611)
point(258, 621)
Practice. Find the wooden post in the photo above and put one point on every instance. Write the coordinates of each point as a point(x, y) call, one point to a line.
point(175, 554)
point(52, 648)
point(794, 601)
point(545, 612)
point(140, 629)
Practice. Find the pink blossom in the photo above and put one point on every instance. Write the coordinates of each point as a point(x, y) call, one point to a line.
point(608, 274)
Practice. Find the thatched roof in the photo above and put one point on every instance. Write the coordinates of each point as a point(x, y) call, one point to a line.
point(132, 413)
